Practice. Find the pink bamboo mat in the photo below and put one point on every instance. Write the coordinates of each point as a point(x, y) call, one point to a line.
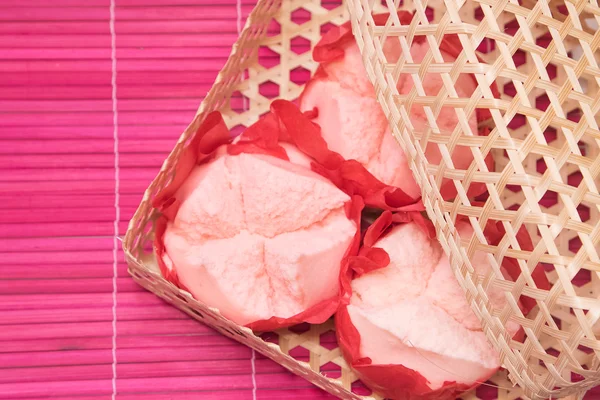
point(74, 325)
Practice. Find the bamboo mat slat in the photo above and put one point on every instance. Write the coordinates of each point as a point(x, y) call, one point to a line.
point(73, 324)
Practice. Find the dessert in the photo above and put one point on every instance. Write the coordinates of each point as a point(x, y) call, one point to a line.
point(408, 329)
point(252, 230)
point(353, 123)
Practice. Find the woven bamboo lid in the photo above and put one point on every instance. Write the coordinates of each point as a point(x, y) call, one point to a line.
point(544, 138)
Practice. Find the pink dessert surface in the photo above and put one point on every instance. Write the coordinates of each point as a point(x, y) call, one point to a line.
point(258, 237)
point(354, 125)
point(413, 312)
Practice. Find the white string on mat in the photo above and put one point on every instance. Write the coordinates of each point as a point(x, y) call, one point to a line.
point(113, 56)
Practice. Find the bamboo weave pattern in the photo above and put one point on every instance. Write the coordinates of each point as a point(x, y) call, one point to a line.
point(544, 136)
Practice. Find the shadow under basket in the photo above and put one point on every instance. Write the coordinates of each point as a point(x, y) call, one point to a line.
point(544, 138)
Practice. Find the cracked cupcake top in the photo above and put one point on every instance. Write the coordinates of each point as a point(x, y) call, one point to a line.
point(257, 236)
point(417, 302)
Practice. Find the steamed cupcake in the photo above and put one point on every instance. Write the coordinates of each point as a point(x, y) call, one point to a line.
point(352, 121)
point(408, 329)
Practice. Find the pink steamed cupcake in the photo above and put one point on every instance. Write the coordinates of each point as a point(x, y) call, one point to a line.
point(352, 121)
point(408, 329)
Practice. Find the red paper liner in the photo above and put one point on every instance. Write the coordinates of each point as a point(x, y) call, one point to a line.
point(396, 381)
point(170, 275)
point(331, 47)
point(349, 175)
point(285, 123)
point(211, 134)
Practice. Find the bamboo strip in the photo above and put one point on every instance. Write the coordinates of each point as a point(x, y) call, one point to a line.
point(94, 119)
point(131, 386)
point(77, 146)
point(149, 3)
point(90, 132)
point(141, 341)
point(56, 257)
point(58, 3)
point(74, 271)
point(92, 329)
point(46, 389)
point(53, 286)
point(79, 160)
point(211, 26)
point(96, 106)
point(138, 370)
point(103, 40)
point(131, 355)
point(207, 12)
point(35, 302)
point(104, 65)
point(138, 90)
point(57, 215)
point(122, 3)
point(77, 174)
point(101, 186)
point(89, 313)
point(262, 394)
point(62, 106)
point(32, 230)
point(241, 394)
point(50, 244)
point(103, 53)
point(102, 118)
point(66, 356)
point(65, 81)
point(103, 3)
point(57, 344)
point(32, 201)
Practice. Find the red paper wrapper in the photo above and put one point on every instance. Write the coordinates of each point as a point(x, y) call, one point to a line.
point(331, 47)
point(348, 175)
point(396, 381)
point(210, 136)
point(285, 123)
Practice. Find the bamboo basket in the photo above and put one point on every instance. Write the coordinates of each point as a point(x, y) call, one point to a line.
point(544, 137)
